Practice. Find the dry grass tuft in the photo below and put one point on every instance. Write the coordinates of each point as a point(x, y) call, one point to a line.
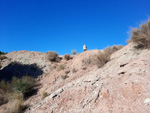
point(141, 36)
point(15, 104)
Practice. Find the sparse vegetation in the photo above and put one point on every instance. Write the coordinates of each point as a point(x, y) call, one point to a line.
point(74, 52)
point(23, 85)
point(15, 91)
point(141, 36)
point(2, 57)
point(61, 67)
point(67, 57)
point(116, 48)
point(3, 53)
point(64, 77)
point(102, 58)
point(15, 104)
point(52, 56)
point(44, 94)
point(74, 70)
point(67, 71)
point(87, 61)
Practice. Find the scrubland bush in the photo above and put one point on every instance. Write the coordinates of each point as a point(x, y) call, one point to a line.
point(116, 48)
point(3, 53)
point(61, 67)
point(15, 91)
point(52, 56)
point(44, 94)
point(15, 104)
point(24, 85)
point(74, 52)
point(67, 57)
point(102, 57)
point(64, 77)
point(2, 57)
point(3, 97)
point(141, 36)
point(74, 70)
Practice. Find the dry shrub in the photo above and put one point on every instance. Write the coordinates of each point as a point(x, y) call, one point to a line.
point(116, 48)
point(16, 90)
point(15, 104)
point(74, 70)
point(67, 71)
point(74, 52)
point(52, 56)
point(61, 67)
point(64, 77)
point(67, 57)
point(102, 58)
point(2, 57)
point(141, 36)
point(3, 97)
point(87, 61)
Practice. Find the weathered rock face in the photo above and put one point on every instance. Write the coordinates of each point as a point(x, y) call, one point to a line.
point(20, 63)
point(120, 86)
point(28, 57)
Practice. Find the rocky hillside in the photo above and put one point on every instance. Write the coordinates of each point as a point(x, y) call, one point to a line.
point(121, 86)
point(79, 86)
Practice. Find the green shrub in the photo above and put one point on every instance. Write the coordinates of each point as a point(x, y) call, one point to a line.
point(13, 92)
point(44, 94)
point(3, 53)
point(52, 56)
point(67, 57)
point(24, 85)
point(141, 36)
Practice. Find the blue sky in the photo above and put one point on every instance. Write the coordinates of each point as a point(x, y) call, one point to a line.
point(64, 25)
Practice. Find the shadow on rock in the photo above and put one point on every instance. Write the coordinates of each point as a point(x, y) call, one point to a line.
point(19, 70)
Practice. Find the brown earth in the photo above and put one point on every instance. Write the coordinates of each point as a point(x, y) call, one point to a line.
point(75, 86)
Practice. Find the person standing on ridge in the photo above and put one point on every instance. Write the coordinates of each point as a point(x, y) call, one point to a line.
point(84, 47)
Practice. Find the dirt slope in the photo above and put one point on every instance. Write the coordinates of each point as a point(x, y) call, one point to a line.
point(121, 86)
